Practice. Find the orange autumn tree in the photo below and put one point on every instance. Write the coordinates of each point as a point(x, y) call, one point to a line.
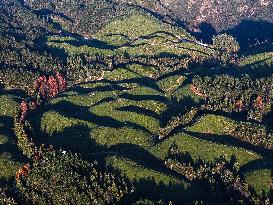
point(44, 89)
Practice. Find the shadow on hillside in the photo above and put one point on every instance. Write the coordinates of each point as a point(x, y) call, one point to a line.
point(95, 43)
point(260, 48)
point(158, 98)
point(177, 193)
point(76, 138)
point(47, 12)
point(236, 116)
point(158, 34)
point(139, 110)
point(175, 108)
point(258, 69)
point(17, 94)
point(141, 81)
point(253, 71)
point(6, 126)
point(10, 146)
point(139, 155)
point(268, 119)
point(247, 32)
point(206, 32)
point(73, 111)
point(104, 88)
point(258, 164)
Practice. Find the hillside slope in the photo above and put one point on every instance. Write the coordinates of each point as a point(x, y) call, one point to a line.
point(117, 115)
point(222, 15)
point(138, 87)
point(249, 21)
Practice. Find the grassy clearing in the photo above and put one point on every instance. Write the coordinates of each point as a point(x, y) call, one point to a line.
point(170, 84)
point(138, 35)
point(120, 113)
point(8, 167)
point(156, 184)
point(219, 125)
point(9, 154)
point(203, 149)
point(9, 105)
point(258, 60)
point(259, 180)
point(140, 25)
point(123, 121)
point(213, 124)
point(185, 91)
point(74, 46)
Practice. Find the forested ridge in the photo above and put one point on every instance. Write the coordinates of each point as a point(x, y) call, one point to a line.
point(122, 102)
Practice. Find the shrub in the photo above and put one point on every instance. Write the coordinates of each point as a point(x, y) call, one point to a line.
point(24, 143)
point(60, 177)
point(226, 47)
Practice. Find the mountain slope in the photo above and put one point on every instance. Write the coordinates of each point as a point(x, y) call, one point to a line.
point(118, 115)
point(221, 14)
point(138, 85)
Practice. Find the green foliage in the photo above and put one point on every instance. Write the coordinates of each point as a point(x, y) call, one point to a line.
point(220, 176)
point(24, 143)
point(60, 177)
point(204, 148)
point(257, 60)
point(9, 167)
point(80, 112)
point(234, 94)
point(253, 134)
point(213, 124)
point(16, 79)
point(22, 57)
point(152, 182)
point(139, 25)
point(82, 17)
point(227, 48)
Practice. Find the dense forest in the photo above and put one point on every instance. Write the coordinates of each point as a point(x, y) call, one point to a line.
point(136, 102)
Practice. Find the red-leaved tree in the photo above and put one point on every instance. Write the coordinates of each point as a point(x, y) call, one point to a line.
point(44, 89)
